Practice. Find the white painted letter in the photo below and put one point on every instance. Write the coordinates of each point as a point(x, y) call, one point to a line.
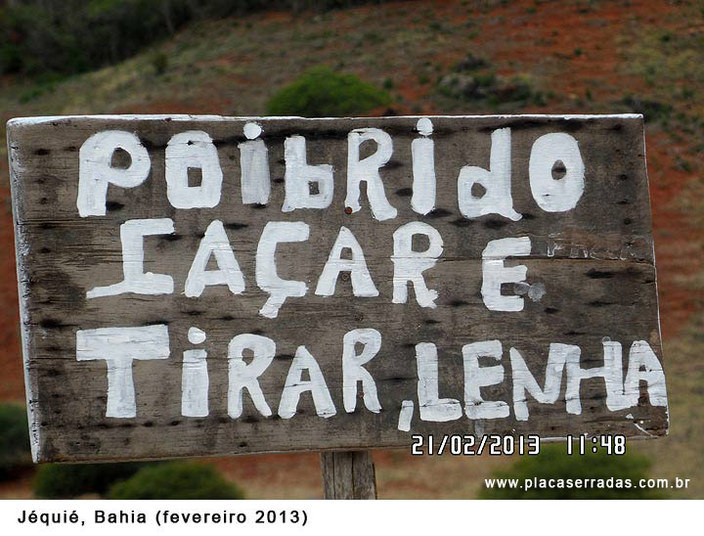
point(432, 408)
point(494, 273)
point(295, 386)
point(495, 182)
point(215, 242)
point(641, 356)
point(409, 265)
point(95, 169)
point(300, 176)
point(550, 194)
point(254, 167)
point(267, 278)
point(194, 378)
point(423, 157)
point(132, 234)
point(524, 383)
point(367, 170)
point(119, 347)
point(243, 376)
point(476, 377)
point(362, 284)
point(353, 371)
point(193, 149)
point(611, 371)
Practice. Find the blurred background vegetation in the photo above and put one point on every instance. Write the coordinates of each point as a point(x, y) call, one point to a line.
point(347, 57)
point(59, 37)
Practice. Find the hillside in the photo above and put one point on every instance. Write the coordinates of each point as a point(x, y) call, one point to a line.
point(572, 56)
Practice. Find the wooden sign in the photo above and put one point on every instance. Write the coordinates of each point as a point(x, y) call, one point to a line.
point(210, 285)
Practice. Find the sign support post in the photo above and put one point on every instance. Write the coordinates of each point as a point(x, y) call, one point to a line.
point(348, 475)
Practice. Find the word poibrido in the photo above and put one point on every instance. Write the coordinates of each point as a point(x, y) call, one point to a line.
point(207, 285)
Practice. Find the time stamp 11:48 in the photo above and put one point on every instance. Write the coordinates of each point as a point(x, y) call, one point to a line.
point(498, 445)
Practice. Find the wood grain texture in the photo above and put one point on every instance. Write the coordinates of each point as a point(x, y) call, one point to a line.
point(595, 262)
point(348, 475)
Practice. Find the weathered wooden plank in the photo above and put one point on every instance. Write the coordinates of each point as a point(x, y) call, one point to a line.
point(348, 475)
point(590, 283)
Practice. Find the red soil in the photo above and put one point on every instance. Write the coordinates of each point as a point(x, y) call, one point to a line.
point(12, 384)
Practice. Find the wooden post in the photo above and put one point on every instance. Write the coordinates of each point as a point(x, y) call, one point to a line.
point(348, 475)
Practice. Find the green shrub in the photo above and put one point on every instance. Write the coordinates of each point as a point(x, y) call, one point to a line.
point(58, 481)
point(553, 462)
point(321, 92)
point(474, 79)
point(14, 440)
point(176, 480)
point(652, 110)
